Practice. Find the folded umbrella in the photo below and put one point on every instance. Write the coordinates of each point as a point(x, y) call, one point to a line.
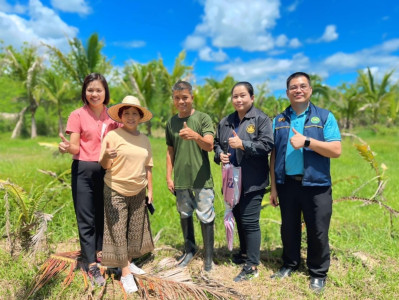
point(231, 188)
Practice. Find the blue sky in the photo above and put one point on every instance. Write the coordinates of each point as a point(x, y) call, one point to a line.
point(254, 40)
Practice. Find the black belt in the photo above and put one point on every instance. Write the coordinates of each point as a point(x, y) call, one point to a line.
point(295, 177)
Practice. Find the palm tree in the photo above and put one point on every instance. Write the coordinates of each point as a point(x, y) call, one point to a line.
point(394, 103)
point(346, 102)
point(321, 92)
point(151, 83)
point(58, 90)
point(26, 66)
point(82, 61)
point(215, 97)
point(375, 96)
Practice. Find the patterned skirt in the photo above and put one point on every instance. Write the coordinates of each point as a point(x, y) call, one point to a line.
point(127, 232)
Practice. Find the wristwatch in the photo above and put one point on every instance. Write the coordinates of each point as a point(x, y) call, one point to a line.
point(307, 142)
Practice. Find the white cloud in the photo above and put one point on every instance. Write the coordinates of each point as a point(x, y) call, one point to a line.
point(14, 29)
point(7, 8)
point(272, 70)
point(377, 56)
point(73, 6)
point(293, 6)
point(207, 54)
point(330, 34)
point(281, 40)
point(130, 44)
point(380, 59)
point(194, 42)
point(295, 43)
point(236, 23)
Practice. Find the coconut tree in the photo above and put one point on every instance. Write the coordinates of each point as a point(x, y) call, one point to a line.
point(139, 80)
point(376, 96)
point(57, 90)
point(346, 104)
point(151, 83)
point(215, 97)
point(82, 60)
point(321, 92)
point(394, 104)
point(26, 66)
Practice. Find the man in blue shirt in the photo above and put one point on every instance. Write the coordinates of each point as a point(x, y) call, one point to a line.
point(305, 138)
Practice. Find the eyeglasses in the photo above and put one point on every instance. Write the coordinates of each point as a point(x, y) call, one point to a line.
point(302, 87)
point(91, 92)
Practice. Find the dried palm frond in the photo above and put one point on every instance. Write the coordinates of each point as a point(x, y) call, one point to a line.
point(54, 265)
point(42, 228)
point(169, 283)
point(162, 288)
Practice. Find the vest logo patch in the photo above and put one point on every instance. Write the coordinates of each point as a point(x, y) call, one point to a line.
point(251, 128)
point(281, 119)
point(315, 120)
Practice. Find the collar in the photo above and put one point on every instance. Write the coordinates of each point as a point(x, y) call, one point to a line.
point(251, 113)
point(287, 112)
point(292, 111)
point(103, 114)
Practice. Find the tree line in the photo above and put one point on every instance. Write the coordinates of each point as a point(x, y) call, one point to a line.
point(43, 79)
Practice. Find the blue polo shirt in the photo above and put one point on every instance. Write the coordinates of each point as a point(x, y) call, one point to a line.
point(294, 158)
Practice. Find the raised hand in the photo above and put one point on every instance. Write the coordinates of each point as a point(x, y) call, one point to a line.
point(110, 152)
point(187, 133)
point(64, 145)
point(235, 141)
point(297, 140)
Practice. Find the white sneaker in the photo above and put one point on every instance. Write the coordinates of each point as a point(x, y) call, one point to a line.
point(135, 269)
point(129, 284)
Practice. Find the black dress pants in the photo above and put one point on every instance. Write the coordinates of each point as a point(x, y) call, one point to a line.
point(315, 202)
point(88, 200)
point(247, 213)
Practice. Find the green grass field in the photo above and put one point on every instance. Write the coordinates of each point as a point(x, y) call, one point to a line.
point(363, 238)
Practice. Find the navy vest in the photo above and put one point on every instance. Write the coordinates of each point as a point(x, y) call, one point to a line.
point(316, 166)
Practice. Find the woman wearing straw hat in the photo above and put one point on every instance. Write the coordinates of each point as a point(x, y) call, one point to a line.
point(126, 155)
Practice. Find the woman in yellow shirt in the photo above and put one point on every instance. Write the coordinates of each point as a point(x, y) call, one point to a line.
point(126, 155)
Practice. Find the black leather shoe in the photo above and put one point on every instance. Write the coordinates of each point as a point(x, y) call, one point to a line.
point(283, 272)
point(317, 285)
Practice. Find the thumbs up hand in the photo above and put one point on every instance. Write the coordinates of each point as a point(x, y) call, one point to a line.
point(235, 142)
point(110, 152)
point(64, 145)
point(187, 133)
point(297, 140)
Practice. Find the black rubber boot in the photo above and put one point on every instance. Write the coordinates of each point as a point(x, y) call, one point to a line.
point(187, 227)
point(208, 237)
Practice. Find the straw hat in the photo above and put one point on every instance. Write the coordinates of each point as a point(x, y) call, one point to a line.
point(129, 101)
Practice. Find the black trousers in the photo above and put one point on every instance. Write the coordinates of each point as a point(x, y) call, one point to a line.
point(316, 205)
point(88, 200)
point(246, 214)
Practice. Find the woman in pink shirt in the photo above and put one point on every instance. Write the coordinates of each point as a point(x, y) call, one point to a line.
point(87, 126)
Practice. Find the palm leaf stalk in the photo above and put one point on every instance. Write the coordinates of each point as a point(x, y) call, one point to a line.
point(378, 197)
point(172, 283)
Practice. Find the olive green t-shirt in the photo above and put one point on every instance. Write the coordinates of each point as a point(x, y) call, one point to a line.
point(191, 163)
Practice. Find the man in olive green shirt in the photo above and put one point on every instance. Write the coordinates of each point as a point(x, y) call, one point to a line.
point(189, 137)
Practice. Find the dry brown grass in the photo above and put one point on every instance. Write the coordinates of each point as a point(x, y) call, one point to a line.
point(354, 275)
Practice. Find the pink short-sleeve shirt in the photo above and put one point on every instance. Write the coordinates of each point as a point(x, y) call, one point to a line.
point(91, 129)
